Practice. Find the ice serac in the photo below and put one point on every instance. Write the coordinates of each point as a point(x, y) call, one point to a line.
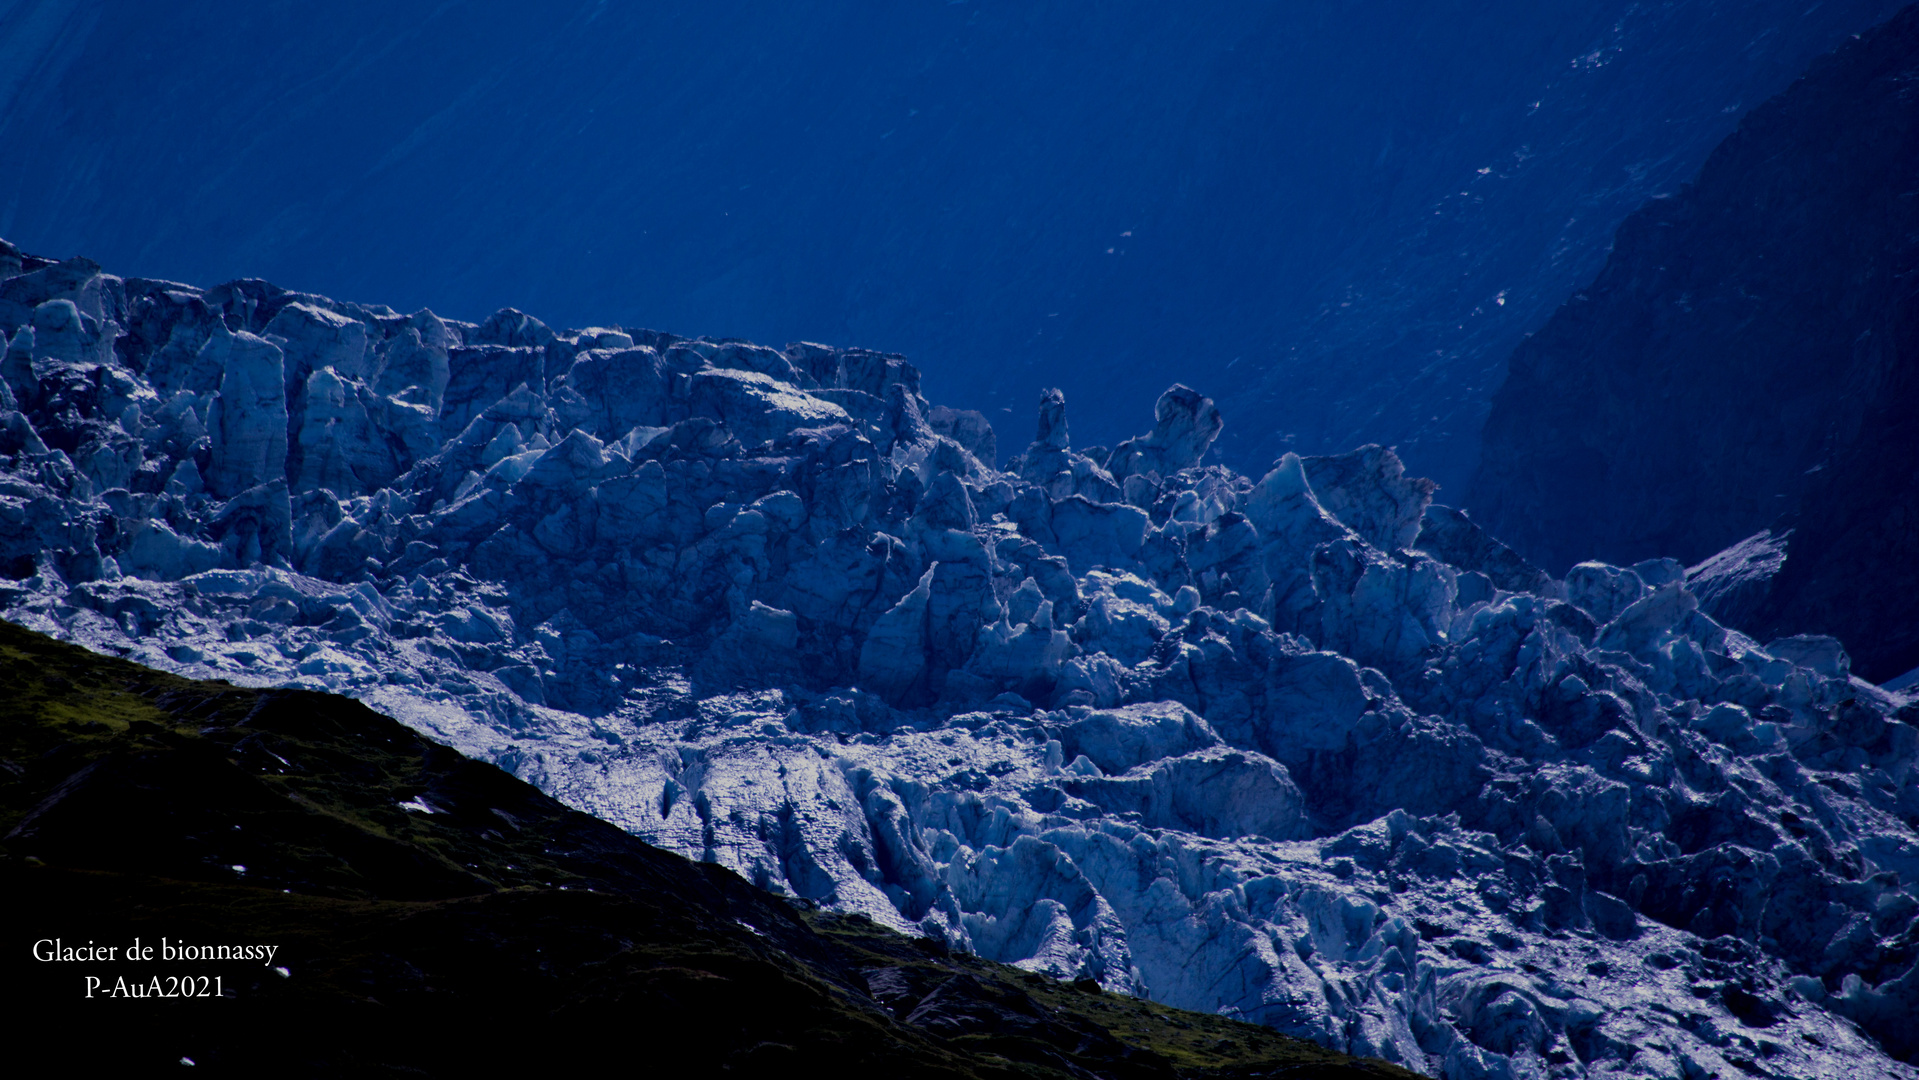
point(1369, 490)
point(1185, 425)
point(1735, 389)
point(248, 417)
point(1305, 748)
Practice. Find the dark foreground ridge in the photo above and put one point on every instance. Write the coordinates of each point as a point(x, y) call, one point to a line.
point(435, 916)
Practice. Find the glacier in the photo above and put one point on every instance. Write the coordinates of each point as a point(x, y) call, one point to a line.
point(1305, 748)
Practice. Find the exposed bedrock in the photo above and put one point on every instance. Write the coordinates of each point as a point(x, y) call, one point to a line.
point(1301, 747)
point(1737, 388)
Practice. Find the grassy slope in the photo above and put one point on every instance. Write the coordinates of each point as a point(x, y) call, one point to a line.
point(500, 932)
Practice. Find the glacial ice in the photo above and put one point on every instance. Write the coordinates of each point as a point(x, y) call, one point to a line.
point(1304, 748)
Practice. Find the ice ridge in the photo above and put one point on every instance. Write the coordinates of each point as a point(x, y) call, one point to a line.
point(1304, 748)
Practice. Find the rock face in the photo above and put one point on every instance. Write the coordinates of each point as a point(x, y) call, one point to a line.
point(1302, 748)
point(1748, 361)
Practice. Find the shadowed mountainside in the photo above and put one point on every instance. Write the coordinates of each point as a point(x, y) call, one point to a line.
point(1748, 360)
point(1337, 218)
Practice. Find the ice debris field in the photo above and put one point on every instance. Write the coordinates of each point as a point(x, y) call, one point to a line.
point(1305, 748)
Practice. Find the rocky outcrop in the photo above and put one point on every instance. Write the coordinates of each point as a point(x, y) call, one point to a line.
point(1747, 362)
point(1304, 748)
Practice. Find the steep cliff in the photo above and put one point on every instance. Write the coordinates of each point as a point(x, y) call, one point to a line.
point(1748, 360)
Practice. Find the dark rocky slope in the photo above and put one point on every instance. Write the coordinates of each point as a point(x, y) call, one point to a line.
point(434, 916)
point(1748, 360)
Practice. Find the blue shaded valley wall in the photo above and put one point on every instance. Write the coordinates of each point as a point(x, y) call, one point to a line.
point(1746, 368)
point(1337, 217)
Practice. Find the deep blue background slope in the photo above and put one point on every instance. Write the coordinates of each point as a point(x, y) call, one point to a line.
point(1748, 359)
point(1311, 210)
